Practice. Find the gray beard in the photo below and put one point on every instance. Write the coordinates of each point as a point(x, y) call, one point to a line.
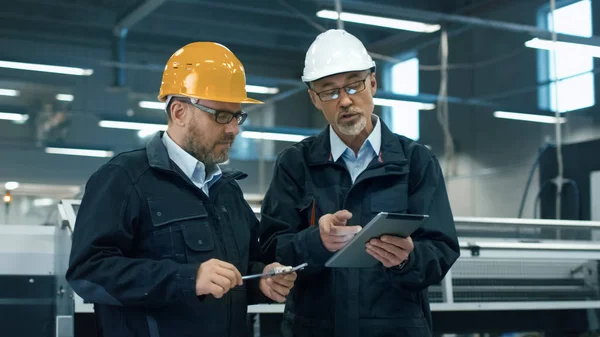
point(353, 129)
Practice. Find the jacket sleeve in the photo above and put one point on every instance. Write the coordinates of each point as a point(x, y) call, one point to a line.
point(255, 265)
point(285, 236)
point(102, 268)
point(435, 243)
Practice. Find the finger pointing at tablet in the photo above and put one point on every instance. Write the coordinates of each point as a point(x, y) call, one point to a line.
point(334, 232)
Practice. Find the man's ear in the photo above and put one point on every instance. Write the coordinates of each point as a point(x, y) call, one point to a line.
point(373, 82)
point(178, 113)
point(314, 99)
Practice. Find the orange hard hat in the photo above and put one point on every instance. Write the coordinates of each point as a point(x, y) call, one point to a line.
point(205, 70)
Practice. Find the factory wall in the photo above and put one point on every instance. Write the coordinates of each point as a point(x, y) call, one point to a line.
point(494, 156)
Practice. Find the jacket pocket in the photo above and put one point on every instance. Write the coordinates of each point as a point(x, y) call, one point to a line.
point(179, 227)
point(307, 207)
point(199, 243)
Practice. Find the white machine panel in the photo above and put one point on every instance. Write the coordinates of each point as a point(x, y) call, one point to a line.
point(595, 195)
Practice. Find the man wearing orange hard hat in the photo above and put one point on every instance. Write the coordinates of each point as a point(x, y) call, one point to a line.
point(164, 236)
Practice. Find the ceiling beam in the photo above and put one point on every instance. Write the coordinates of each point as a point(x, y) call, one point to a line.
point(432, 17)
point(126, 22)
point(240, 8)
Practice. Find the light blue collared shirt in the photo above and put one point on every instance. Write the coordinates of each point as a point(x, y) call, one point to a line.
point(191, 167)
point(356, 164)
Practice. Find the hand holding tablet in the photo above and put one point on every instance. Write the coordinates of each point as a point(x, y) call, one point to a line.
point(390, 227)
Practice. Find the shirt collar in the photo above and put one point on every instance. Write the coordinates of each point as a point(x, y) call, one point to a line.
point(191, 167)
point(374, 140)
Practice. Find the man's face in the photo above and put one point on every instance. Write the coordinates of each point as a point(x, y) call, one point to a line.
point(204, 138)
point(348, 113)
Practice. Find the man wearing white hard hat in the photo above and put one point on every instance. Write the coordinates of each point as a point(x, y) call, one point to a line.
point(327, 187)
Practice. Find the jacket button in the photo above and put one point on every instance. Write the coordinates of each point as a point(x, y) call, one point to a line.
point(199, 242)
point(158, 213)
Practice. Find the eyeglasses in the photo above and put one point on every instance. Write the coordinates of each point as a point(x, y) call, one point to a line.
point(221, 117)
point(350, 89)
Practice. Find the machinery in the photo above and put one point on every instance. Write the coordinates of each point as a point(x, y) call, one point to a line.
point(27, 293)
point(507, 279)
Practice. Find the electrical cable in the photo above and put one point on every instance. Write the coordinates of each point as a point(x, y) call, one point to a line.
point(577, 195)
point(529, 179)
point(442, 103)
point(557, 125)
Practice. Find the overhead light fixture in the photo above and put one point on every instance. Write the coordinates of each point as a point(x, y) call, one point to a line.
point(131, 125)
point(65, 97)
point(42, 202)
point(145, 129)
point(561, 46)
point(528, 117)
point(9, 92)
point(152, 105)
point(11, 185)
point(379, 21)
point(15, 117)
point(257, 89)
point(79, 152)
point(147, 132)
point(403, 104)
point(46, 68)
point(284, 137)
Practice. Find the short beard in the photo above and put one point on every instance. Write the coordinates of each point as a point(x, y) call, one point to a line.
point(196, 145)
point(355, 128)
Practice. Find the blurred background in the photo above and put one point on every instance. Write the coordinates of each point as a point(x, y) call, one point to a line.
point(508, 107)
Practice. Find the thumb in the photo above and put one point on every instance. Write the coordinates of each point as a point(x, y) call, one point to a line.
point(342, 216)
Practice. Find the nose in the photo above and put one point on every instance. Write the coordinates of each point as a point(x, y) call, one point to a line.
point(345, 100)
point(232, 127)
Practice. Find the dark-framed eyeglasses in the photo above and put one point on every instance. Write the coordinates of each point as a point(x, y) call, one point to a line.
point(351, 89)
point(221, 117)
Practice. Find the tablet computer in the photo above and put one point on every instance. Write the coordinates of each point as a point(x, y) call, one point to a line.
point(354, 254)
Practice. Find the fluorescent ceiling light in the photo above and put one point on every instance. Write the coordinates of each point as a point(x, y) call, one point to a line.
point(152, 105)
point(9, 116)
point(131, 125)
point(65, 97)
point(9, 92)
point(145, 129)
point(412, 26)
point(561, 46)
point(528, 117)
point(79, 152)
point(403, 104)
point(261, 90)
point(46, 68)
point(11, 185)
point(41, 202)
point(284, 137)
point(147, 132)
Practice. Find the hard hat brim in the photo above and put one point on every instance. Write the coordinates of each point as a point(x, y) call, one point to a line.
point(248, 100)
point(316, 77)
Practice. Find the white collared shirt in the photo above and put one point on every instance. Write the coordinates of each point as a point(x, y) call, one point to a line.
point(191, 167)
point(356, 164)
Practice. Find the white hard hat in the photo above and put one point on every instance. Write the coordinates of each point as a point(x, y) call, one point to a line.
point(335, 51)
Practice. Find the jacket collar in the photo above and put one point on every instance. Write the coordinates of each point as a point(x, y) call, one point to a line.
point(391, 149)
point(158, 158)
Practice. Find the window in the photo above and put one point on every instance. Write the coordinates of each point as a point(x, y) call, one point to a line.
point(574, 18)
point(403, 119)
